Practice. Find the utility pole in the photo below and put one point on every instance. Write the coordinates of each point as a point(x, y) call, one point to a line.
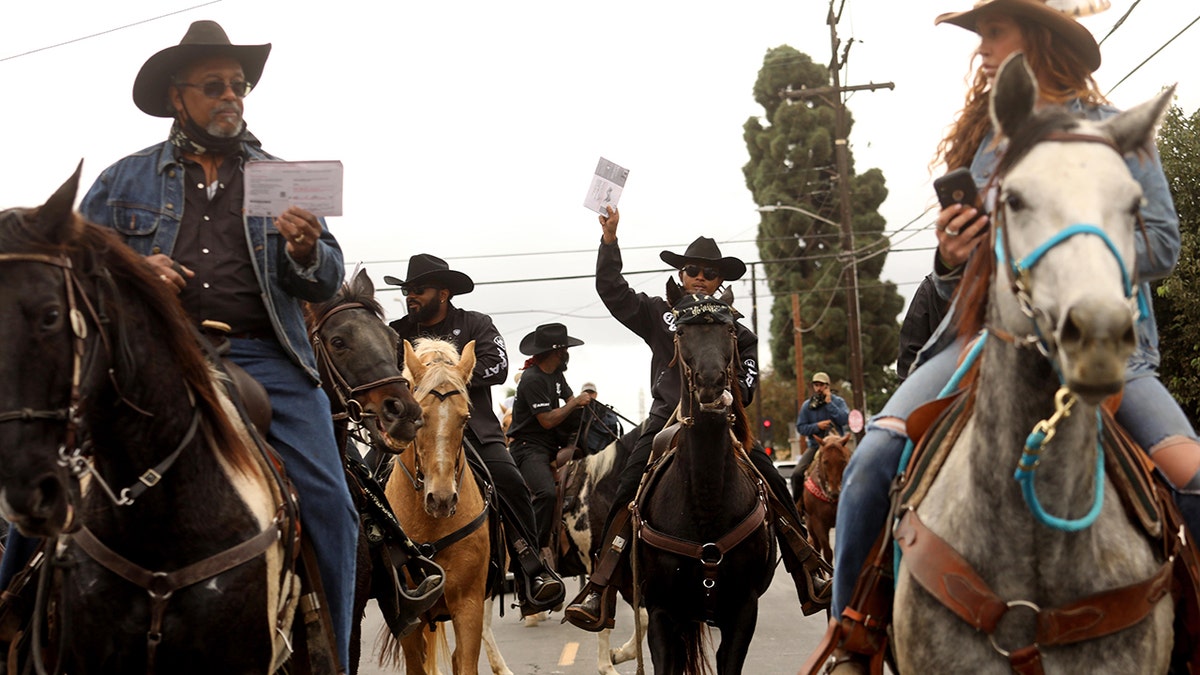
point(842, 155)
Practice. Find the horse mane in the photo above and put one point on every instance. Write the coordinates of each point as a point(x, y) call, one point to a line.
point(439, 357)
point(347, 294)
point(741, 425)
point(99, 253)
point(971, 296)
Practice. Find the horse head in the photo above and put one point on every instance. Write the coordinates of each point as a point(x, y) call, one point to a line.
point(357, 354)
point(832, 457)
point(1069, 255)
point(440, 376)
point(706, 351)
point(46, 350)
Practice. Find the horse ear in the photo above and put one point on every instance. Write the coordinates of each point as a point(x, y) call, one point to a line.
point(1014, 95)
point(674, 291)
point(818, 439)
point(416, 369)
point(846, 438)
point(466, 361)
point(1134, 129)
point(57, 214)
point(363, 286)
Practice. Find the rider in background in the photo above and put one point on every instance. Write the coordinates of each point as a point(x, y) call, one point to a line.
point(429, 287)
point(822, 414)
point(702, 270)
point(1063, 55)
point(542, 411)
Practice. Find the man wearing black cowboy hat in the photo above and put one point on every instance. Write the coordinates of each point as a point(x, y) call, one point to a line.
point(179, 203)
point(429, 287)
point(538, 417)
point(701, 270)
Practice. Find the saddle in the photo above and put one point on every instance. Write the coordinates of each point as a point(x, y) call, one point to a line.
point(863, 626)
point(568, 560)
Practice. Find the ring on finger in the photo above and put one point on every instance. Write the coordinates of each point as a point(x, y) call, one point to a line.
point(951, 233)
point(299, 239)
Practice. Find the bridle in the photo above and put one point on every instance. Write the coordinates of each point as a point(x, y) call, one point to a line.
point(417, 476)
point(347, 395)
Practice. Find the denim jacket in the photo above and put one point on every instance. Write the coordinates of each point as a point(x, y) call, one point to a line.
point(1157, 252)
point(142, 198)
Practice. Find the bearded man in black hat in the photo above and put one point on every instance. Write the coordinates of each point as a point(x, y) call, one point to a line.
point(429, 287)
point(179, 203)
point(538, 417)
point(701, 270)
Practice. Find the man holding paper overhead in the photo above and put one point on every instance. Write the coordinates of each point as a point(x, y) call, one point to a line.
point(180, 204)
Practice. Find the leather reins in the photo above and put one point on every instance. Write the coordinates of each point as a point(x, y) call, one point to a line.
point(346, 393)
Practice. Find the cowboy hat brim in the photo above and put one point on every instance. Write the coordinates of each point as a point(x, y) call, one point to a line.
point(150, 86)
point(454, 281)
point(731, 268)
point(1078, 38)
point(530, 346)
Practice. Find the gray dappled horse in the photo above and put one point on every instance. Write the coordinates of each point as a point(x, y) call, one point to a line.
point(1066, 213)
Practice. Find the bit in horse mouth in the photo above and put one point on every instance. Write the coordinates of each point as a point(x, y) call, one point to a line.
point(720, 405)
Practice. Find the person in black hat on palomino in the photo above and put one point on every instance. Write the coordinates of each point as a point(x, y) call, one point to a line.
point(538, 418)
point(429, 287)
point(702, 269)
point(179, 203)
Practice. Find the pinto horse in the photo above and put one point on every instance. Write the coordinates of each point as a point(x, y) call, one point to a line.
point(358, 359)
point(705, 547)
point(171, 540)
point(1049, 570)
point(435, 495)
point(822, 487)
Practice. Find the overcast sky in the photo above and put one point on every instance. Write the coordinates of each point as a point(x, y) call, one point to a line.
point(470, 130)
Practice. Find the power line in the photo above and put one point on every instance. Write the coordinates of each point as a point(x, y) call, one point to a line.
point(1147, 60)
point(106, 32)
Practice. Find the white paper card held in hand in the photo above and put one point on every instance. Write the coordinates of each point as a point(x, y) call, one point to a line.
point(606, 186)
point(271, 187)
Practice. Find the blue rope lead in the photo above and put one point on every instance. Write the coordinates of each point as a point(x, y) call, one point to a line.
point(1024, 476)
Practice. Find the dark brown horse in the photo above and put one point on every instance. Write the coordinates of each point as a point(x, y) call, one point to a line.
point(358, 359)
point(173, 540)
point(705, 549)
point(821, 488)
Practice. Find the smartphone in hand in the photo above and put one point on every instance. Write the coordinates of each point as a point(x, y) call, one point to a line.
point(956, 187)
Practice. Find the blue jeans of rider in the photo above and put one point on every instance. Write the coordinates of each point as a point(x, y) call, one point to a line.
point(1147, 411)
point(302, 434)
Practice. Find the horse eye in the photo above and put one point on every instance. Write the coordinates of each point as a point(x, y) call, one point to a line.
point(51, 318)
point(338, 343)
point(1136, 207)
point(1014, 202)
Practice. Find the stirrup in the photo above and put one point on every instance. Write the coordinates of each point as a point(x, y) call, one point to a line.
point(606, 613)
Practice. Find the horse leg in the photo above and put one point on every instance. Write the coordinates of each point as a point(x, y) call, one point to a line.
point(737, 629)
point(668, 648)
point(467, 618)
point(414, 646)
point(628, 651)
point(494, 657)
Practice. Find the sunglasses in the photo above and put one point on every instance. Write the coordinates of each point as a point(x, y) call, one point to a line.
point(216, 88)
point(417, 290)
point(709, 272)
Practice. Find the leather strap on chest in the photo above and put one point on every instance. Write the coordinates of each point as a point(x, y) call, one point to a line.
point(949, 578)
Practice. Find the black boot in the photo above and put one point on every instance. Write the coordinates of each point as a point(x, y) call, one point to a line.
point(594, 609)
point(542, 589)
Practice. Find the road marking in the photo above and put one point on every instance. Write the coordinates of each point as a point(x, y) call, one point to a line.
point(568, 654)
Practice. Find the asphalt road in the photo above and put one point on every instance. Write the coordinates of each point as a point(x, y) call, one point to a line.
point(782, 640)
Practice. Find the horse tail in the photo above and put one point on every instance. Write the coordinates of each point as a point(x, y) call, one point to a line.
point(695, 638)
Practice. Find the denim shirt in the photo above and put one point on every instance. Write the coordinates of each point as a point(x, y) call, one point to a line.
point(142, 197)
point(1157, 251)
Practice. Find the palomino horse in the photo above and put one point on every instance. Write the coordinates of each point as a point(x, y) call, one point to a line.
point(358, 360)
point(822, 487)
point(172, 539)
point(705, 549)
point(1041, 560)
point(434, 494)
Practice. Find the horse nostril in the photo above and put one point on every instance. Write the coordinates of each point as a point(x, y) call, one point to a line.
point(46, 496)
point(392, 408)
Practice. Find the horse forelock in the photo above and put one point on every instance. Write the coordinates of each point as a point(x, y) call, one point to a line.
point(440, 358)
point(347, 294)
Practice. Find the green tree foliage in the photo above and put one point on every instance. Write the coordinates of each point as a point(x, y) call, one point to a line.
point(1177, 298)
point(792, 162)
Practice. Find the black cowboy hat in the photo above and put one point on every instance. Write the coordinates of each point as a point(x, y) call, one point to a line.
point(203, 39)
point(429, 270)
point(547, 337)
point(705, 250)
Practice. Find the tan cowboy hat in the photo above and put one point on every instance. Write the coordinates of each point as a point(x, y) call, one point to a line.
point(1070, 31)
point(705, 250)
point(203, 39)
point(428, 270)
